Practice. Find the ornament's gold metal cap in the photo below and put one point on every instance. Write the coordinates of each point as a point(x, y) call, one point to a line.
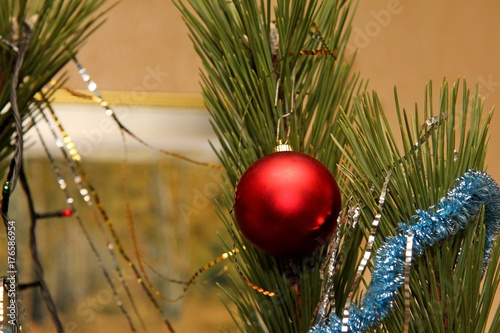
point(282, 147)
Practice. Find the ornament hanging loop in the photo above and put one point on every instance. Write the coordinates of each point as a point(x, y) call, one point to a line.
point(282, 147)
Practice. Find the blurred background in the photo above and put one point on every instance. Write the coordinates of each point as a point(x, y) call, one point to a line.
point(145, 66)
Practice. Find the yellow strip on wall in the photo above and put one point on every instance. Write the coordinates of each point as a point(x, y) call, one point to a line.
point(131, 98)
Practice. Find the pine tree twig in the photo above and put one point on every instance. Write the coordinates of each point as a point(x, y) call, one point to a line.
point(44, 289)
point(29, 285)
point(18, 156)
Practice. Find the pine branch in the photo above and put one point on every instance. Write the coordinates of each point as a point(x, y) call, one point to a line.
point(58, 28)
point(258, 91)
point(36, 40)
point(449, 293)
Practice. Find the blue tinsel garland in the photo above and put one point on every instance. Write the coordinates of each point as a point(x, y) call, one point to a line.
point(453, 213)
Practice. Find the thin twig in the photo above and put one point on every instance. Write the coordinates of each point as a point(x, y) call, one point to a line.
point(44, 290)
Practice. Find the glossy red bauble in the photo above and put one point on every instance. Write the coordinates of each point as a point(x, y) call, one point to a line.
point(287, 204)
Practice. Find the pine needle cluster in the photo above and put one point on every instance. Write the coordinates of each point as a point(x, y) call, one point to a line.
point(38, 38)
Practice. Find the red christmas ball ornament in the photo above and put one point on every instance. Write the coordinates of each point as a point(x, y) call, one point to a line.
point(287, 204)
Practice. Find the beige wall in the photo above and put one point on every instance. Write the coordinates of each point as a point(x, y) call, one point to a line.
point(427, 39)
point(138, 38)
